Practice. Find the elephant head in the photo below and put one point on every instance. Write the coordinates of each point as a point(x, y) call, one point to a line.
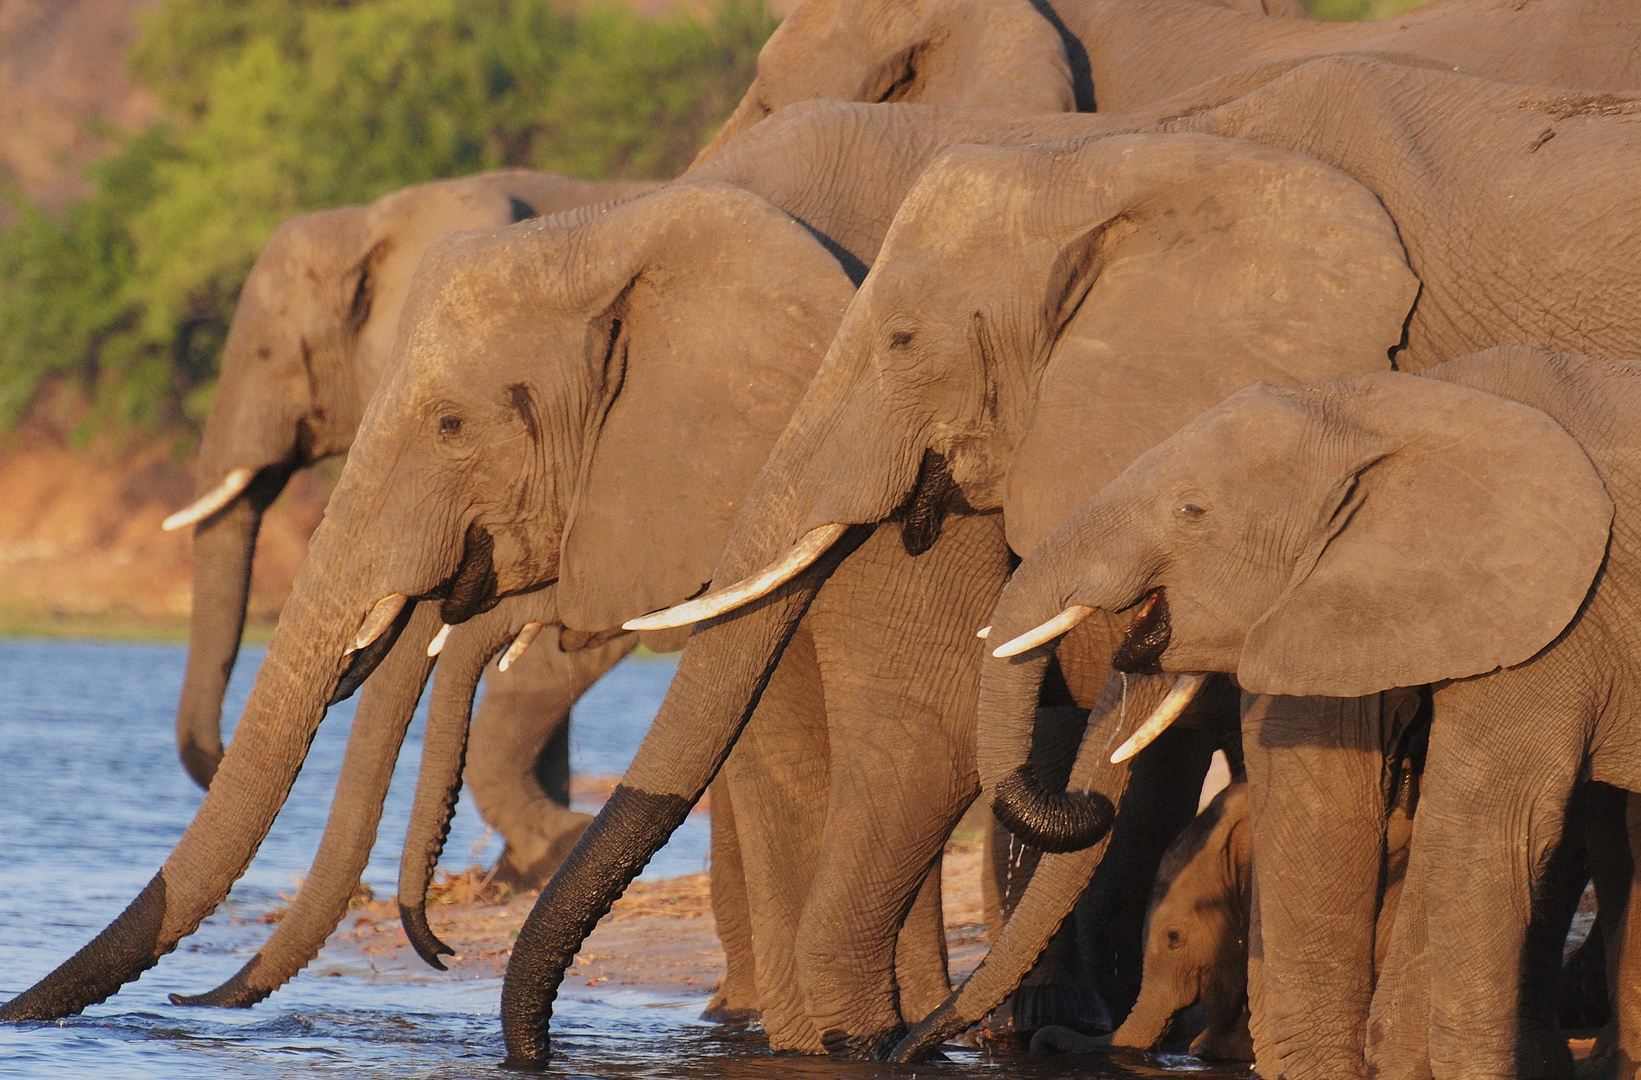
point(531, 427)
point(1196, 935)
point(997, 54)
point(1334, 540)
point(309, 341)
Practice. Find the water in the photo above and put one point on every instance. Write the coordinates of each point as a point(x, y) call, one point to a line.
point(93, 800)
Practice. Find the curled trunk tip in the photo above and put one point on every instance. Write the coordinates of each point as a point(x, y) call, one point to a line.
point(1050, 821)
point(413, 917)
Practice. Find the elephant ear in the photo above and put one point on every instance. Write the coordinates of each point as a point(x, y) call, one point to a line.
point(1000, 54)
point(1189, 267)
point(1463, 538)
point(717, 309)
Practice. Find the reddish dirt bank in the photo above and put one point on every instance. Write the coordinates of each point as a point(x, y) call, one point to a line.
point(81, 551)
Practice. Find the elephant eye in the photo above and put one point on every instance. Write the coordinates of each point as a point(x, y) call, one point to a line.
point(450, 426)
point(900, 339)
point(1189, 512)
point(1175, 939)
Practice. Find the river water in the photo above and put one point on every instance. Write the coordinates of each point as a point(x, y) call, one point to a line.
point(93, 799)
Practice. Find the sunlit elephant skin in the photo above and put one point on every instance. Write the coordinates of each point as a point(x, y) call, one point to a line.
point(934, 371)
point(1060, 55)
point(1375, 121)
point(524, 434)
point(307, 346)
point(1529, 456)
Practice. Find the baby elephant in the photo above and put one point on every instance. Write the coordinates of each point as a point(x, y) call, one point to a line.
point(1196, 942)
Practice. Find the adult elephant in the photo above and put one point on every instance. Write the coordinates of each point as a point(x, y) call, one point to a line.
point(1118, 55)
point(1413, 136)
point(1410, 135)
point(930, 385)
point(307, 346)
point(548, 458)
point(1471, 529)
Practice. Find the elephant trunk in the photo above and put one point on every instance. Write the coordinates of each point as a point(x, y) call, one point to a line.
point(304, 664)
point(1153, 1014)
point(439, 783)
point(1048, 593)
point(224, 545)
point(385, 710)
point(719, 682)
point(1059, 879)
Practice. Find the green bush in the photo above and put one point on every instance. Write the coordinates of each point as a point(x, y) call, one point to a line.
point(273, 108)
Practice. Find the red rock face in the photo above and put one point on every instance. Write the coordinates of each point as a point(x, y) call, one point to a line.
point(62, 71)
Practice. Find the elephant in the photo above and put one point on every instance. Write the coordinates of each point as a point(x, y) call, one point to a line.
point(1410, 135)
point(928, 385)
point(1119, 55)
point(1467, 527)
point(306, 348)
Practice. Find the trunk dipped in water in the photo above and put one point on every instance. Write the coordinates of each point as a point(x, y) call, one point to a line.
point(385, 710)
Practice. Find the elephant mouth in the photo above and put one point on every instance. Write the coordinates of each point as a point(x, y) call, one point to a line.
point(1141, 649)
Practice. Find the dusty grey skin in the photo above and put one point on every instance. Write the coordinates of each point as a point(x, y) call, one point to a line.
point(307, 346)
point(1411, 135)
point(931, 367)
point(1061, 55)
point(500, 454)
point(1516, 597)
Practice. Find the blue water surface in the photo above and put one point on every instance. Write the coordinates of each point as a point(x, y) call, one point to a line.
point(92, 799)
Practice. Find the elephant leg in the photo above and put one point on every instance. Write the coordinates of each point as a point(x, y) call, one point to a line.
point(518, 758)
point(1398, 1030)
point(900, 698)
point(777, 777)
point(1541, 1048)
point(921, 974)
point(1491, 816)
point(1625, 949)
point(735, 1001)
point(1317, 808)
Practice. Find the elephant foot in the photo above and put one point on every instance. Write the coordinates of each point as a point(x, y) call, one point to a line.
point(720, 1011)
point(845, 1047)
point(527, 871)
point(1078, 1007)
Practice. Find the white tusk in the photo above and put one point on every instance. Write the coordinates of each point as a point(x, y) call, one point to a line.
point(380, 618)
point(1050, 630)
point(1185, 688)
point(983, 633)
point(436, 646)
point(797, 558)
point(203, 507)
point(520, 643)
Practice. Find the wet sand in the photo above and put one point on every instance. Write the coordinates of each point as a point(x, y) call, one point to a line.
point(659, 938)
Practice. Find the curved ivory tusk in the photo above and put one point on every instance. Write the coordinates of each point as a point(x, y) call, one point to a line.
point(436, 646)
point(797, 558)
point(983, 633)
point(1050, 630)
point(380, 618)
point(520, 643)
point(1161, 718)
point(209, 503)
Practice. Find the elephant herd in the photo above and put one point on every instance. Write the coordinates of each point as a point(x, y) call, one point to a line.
point(1240, 379)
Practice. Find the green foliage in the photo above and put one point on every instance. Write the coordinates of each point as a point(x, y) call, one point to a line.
point(274, 108)
point(1344, 10)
